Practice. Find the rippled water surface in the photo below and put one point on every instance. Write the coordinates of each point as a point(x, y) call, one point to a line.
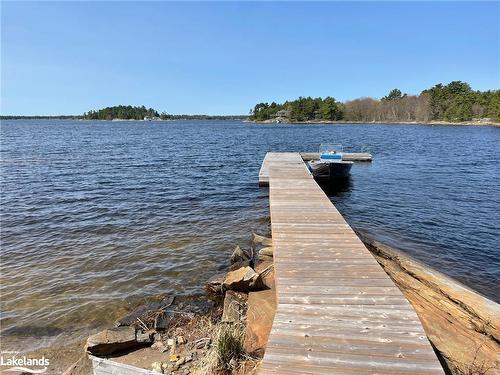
point(97, 215)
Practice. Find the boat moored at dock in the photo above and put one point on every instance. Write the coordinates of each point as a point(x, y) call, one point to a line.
point(330, 163)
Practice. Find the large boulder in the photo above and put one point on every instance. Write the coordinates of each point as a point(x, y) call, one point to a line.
point(260, 316)
point(115, 340)
point(461, 324)
point(244, 279)
point(234, 306)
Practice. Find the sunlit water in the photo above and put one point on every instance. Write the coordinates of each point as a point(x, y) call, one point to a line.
point(97, 215)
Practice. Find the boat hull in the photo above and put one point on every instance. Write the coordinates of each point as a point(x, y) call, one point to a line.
point(333, 169)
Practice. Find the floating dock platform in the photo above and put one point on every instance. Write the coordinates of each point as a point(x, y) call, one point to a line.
point(338, 312)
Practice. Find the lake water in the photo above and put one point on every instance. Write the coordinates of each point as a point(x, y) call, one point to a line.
point(98, 215)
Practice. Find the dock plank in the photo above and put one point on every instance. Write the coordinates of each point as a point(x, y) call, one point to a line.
point(338, 312)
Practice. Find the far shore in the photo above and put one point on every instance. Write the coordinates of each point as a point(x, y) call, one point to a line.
point(342, 122)
point(79, 118)
point(270, 121)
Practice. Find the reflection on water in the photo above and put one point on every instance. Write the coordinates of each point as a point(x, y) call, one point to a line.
point(96, 216)
point(335, 186)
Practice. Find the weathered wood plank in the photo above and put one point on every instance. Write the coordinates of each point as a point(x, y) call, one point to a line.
point(279, 160)
point(103, 366)
point(338, 312)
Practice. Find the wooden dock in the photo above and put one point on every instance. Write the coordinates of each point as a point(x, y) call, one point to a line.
point(338, 312)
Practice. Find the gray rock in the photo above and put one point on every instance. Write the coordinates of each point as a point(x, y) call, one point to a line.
point(111, 341)
point(143, 337)
point(214, 287)
point(239, 255)
point(162, 319)
point(143, 310)
point(234, 306)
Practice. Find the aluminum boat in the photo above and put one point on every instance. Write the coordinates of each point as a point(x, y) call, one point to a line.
point(330, 163)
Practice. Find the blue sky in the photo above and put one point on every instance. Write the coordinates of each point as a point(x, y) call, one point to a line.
point(222, 58)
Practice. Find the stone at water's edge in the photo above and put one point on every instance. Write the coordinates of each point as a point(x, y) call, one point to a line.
point(214, 287)
point(244, 279)
point(265, 258)
point(114, 340)
point(142, 310)
point(238, 265)
point(260, 316)
point(267, 251)
point(161, 321)
point(234, 306)
point(239, 255)
point(261, 240)
point(143, 337)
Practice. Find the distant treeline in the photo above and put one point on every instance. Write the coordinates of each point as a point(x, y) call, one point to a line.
point(455, 102)
point(125, 112)
point(106, 114)
point(141, 113)
point(166, 116)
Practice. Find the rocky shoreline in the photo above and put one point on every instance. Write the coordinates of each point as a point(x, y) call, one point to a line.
point(462, 325)
point(228, 331)
point(286, 121)
point(223, 332)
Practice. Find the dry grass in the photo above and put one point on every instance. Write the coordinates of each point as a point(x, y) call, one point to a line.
point(249, 366)
point(226, 355)
point(221, 350)
point(228, 345)
point(192, 329)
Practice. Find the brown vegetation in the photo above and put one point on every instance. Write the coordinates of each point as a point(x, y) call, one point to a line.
point(406, 109)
